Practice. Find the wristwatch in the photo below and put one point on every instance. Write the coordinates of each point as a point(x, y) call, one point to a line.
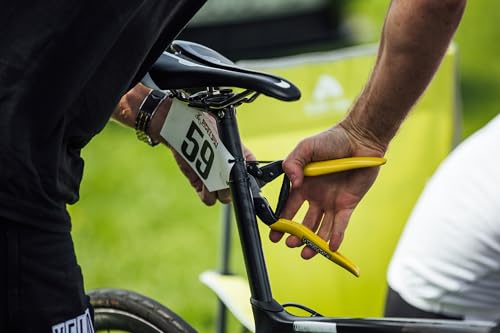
point(146, 112)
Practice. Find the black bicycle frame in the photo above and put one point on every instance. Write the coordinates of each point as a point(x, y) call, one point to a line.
point(262, 300)
point(243, 207)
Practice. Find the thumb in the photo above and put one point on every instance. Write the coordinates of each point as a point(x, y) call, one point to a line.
point(294, 169)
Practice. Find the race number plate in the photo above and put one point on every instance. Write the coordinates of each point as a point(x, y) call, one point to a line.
point(193, 135)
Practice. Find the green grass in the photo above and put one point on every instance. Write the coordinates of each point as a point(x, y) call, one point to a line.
point(139, 225)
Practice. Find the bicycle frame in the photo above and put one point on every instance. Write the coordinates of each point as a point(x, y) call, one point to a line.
point(269, 315)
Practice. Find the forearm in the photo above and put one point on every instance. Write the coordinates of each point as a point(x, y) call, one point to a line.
point(128, 107)
point(414, 40)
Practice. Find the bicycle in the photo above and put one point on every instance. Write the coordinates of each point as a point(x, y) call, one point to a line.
point(198, 76)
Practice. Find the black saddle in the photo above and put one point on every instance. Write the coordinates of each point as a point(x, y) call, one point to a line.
point(187, 65)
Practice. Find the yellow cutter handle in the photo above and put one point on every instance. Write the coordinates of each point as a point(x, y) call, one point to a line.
point(312, 240)
point(308, 237)
point(341, 164)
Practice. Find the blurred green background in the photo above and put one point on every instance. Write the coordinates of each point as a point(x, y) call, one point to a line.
point(139, 225)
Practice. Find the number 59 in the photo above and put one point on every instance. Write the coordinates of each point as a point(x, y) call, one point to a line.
point(203, 158)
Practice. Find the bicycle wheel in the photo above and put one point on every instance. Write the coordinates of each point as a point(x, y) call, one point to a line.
point(117, 310)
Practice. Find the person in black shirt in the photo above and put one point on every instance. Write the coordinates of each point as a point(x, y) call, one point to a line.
point(65, 67)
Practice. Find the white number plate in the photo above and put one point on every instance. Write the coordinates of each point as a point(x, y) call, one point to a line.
point(193, 135)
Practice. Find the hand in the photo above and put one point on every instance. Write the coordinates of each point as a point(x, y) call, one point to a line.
point(332, 198)
point(208, 198)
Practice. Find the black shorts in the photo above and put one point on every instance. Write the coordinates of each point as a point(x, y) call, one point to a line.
point(396, 306)
point(41, 285)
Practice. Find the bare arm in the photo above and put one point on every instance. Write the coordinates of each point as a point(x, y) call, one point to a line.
point(414, 40)
point(415, 37)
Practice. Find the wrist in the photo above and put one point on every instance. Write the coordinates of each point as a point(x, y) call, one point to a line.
point(147, 111)
point(363, 137)
point(158, 120)
point(127, 111)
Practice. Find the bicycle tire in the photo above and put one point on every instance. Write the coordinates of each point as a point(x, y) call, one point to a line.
point(127, 311)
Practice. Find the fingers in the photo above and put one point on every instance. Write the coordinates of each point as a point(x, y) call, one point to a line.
point(294, 164)
point(275, 236)
point(312, 219)
point(330, 226)
point(327, 225)
point(291, 208)
point(332, 229)
point(192, 177)
point(224, 196)
point(339, 226)
point(247, 153)
point(208, 198)
point(324, 232)
point(294, 169)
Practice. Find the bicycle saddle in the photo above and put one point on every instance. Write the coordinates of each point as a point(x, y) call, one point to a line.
point(187, 65)
point(201, 53)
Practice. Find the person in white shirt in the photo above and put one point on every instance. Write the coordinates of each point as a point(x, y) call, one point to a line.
point(447, 261)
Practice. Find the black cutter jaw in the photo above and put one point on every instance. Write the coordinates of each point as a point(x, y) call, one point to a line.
point(261, 176)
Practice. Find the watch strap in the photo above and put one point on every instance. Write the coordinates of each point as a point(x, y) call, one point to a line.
point(146, 112)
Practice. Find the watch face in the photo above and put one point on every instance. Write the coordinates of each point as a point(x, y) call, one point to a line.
point(151, 102)
point(156, 94)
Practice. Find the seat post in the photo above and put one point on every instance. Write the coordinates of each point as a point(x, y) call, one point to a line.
point(243, 207)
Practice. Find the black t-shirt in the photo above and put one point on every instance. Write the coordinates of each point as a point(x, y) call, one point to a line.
point(63, 66)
